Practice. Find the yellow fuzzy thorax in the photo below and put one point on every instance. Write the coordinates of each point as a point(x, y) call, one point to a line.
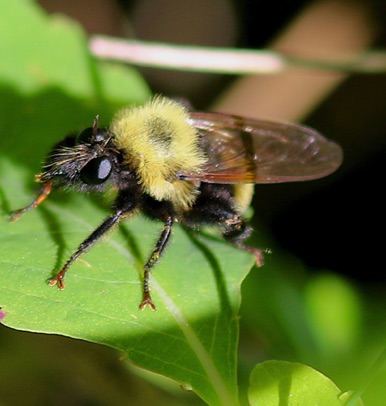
point(158, 142)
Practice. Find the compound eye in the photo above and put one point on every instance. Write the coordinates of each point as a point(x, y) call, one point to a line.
point(91, 135)
point(97, 171)
point(84, 137)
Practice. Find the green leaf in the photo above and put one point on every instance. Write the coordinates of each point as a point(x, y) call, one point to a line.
point(46, 52)
point(289, 383)
point(49, 83)
point(50, 86)
point(193, 335)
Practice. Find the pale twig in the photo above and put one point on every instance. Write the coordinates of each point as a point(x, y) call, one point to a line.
point(228, 60)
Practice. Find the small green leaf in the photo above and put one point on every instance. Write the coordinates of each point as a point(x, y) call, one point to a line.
point(288, 383)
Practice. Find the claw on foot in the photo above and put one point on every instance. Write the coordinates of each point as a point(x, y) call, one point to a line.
point(57, 280)
point(147, 301)
point(14, 216)
point(259, 255)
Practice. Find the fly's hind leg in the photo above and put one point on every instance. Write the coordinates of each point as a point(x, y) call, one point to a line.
point(236, 230)
point(215, 206)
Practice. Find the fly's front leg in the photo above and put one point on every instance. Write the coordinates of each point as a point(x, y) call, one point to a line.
point(86, 245)
point(124, 205)
point(154, 257)
point(43, 194)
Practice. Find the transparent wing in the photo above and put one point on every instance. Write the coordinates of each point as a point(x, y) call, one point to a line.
point(242, 150)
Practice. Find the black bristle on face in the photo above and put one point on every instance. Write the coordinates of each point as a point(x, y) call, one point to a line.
point(86, 162)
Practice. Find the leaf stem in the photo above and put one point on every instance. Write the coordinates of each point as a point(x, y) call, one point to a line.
point(224, 395)
point(374, 370)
